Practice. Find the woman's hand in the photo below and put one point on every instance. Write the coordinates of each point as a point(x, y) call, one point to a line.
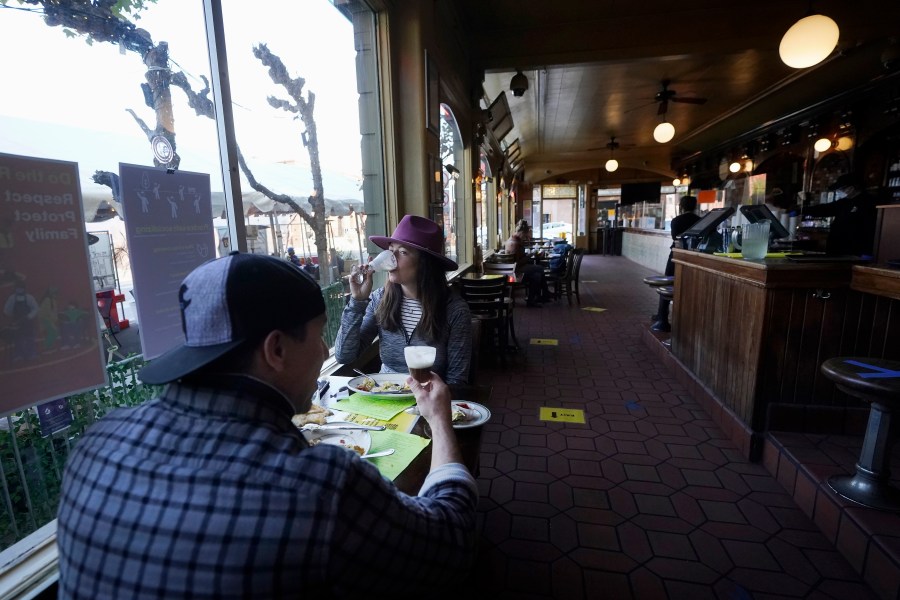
point(361, 282)
point(432, 398)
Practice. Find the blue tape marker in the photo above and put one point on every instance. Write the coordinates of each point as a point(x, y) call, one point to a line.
point(632, 405)
point(880, 372)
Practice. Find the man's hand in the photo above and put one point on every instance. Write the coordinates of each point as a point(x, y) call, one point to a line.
point(432, 397)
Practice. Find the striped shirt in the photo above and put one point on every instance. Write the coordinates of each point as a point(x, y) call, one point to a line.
point(410, 315)
point(359, 327)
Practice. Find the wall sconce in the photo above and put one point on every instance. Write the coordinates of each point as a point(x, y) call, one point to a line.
point(844, 143)
point(454, 172)
point(664, 132)
point(809, 41)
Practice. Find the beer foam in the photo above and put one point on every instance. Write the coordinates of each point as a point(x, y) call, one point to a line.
point(419, 357)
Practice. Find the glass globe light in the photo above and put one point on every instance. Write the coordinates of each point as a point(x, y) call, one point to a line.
point(809, 41)
point(664, 132)
point(822, 144)
point(734, 167)
point(612, 164)
point(844, 143)
point(676, 182)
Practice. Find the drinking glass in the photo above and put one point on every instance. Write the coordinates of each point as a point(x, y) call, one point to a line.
point(420, 360)
point(384, 261)
point(755, 240)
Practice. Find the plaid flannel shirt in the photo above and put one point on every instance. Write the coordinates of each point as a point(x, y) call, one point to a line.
point(211, 492)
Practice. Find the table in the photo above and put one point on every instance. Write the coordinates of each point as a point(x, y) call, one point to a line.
point(411, 479)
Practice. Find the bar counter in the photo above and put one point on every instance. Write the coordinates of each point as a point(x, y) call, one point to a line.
point(754, 334)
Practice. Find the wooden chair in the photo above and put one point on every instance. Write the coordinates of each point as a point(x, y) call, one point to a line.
point(488, 301)
point(502, 257)
point(576, 274)
point(558, 279)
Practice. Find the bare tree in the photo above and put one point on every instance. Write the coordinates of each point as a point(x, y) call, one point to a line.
point(106, 21)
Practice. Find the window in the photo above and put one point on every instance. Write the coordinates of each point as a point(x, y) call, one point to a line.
point(452, 156)
point(101, 104)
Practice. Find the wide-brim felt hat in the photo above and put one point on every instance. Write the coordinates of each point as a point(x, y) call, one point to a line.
point(420, 233)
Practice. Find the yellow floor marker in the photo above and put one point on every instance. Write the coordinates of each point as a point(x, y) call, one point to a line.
point(594, 308)
point(565, 415)
point(544, 342)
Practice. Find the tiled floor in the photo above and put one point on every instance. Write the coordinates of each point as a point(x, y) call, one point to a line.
point(647, 499)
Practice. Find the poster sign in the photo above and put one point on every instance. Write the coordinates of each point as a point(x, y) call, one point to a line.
point(103, 264)
point(54, 416)
point(49, 335)
point(168, 224)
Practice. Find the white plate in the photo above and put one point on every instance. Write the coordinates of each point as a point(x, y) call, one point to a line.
point(346, 438)
point(380, 378)
point(482, 413)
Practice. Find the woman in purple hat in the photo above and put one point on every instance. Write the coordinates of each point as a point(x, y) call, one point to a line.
point(414, 308)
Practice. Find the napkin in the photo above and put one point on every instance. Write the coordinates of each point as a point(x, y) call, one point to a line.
point(383, 408)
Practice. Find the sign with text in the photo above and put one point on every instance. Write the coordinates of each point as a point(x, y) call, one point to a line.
point(565, 415)
point(168, 223)
point(49, 335)
point(54, 416)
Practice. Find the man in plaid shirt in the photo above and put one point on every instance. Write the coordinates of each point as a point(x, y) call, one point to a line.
point(209, 490)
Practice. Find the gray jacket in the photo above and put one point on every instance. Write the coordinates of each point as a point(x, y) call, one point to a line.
point(454, 349)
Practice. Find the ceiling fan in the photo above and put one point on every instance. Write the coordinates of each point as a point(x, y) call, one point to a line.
point(611, 145)
point(665, 95)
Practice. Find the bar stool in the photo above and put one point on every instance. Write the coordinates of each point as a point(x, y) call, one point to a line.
point(661, 318)
point(666, 293)
point(876, 381)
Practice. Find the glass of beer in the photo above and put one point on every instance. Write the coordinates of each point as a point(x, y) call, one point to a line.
point(420, 360)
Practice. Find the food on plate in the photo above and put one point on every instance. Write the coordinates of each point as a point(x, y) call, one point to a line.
point(461, 413)
point(342, 442)
point(316, 416)
point(370, 385)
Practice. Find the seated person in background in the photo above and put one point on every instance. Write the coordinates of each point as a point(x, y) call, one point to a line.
point(852, 229)
point(561, 249)
point(685, 219)
point(209, 490)
point(292, 256)
point(532, 275)
point(337, 261)
point(414, 308)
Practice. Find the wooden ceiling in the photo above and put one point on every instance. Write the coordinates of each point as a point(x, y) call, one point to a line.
point(594, 67)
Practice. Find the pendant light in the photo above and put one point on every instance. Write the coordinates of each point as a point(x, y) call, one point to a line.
point(612, 164)
point(809, 41)
point(664, 132)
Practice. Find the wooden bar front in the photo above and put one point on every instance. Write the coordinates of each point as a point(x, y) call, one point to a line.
point(755, 332)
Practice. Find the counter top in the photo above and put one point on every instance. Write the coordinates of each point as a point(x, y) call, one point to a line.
point(769, 272)
point(880, 281)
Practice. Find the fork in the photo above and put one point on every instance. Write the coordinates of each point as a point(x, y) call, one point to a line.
point(377, 454)
point(374, 383)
